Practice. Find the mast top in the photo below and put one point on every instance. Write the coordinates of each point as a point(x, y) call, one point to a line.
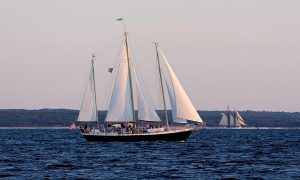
point(121, 19)
point(93, 57)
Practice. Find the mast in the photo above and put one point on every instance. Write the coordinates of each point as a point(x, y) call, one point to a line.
point(130, 79)
point(94, 88)
point(228, 116)
point(234, 117)
point(129, 71)
point(161, 85)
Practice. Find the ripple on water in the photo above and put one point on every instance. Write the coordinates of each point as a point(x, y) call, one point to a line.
point(208, 154)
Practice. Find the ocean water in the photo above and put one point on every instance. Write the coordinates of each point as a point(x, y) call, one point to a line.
point(208, 154)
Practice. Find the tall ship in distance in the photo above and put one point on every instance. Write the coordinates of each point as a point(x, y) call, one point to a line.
point(131, 113)
point(232, 120)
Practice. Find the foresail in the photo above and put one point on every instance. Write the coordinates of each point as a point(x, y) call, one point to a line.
point(120, 103)
point(240, 119)
point(88, 109)
point(173, 103)
point(224, 120)
point(184, 106)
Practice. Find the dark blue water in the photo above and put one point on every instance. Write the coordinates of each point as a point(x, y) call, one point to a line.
point(208, 154)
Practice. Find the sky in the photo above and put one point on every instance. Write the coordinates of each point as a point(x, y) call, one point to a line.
point(242, 53)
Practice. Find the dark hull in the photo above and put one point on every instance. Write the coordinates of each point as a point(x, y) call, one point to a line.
point(170, 136)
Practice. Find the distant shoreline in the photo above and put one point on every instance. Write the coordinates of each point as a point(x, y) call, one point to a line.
point(63, 118)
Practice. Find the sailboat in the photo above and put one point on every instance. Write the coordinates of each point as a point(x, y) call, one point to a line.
point(232, 121)
point(122, 123)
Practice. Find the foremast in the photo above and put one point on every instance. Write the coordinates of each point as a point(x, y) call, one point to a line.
point(161, 85)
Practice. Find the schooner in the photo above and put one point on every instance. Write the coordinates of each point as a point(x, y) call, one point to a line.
point(232, 121)
point(129, 96)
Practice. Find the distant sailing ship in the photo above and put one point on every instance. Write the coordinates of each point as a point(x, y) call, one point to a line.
point(232, 121)
point(128, 95)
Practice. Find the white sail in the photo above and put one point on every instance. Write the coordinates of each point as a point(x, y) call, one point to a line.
point(184, 107)
point(120, 107)
point(240, 119)
point(224, 120)
point(173, 102)
point(146, 109)
point(231, 120)
point(242, 123)
point(88, 108)
point(234, 122)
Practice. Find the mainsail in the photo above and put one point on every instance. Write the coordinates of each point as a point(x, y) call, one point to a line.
point(182, 106)
point(224, 120)
point(88, 108)
point(120, 107)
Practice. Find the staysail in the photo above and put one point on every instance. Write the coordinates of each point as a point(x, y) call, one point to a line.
point(184, 108)
point(120, 107)
point(146, 109)
point(88, 108)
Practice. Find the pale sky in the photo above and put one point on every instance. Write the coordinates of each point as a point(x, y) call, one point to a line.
point(245, 53)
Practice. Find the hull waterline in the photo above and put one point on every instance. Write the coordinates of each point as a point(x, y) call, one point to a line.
point(181, 135)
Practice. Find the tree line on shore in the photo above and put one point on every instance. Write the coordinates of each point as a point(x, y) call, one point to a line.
point(65, 117)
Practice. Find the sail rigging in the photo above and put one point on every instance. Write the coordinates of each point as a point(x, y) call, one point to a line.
point(161, 85)
point(146, 109)
point(88, 108)
point(121, 107)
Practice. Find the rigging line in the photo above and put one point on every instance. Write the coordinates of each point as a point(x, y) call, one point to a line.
point(145, 39)
point(152, 62)
point(108, 103)
point(111, 79)
point(143, 51)
point(143, 83)
point(155, 65)
point(101, 53)
point(84, 89)
point(169, 75)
